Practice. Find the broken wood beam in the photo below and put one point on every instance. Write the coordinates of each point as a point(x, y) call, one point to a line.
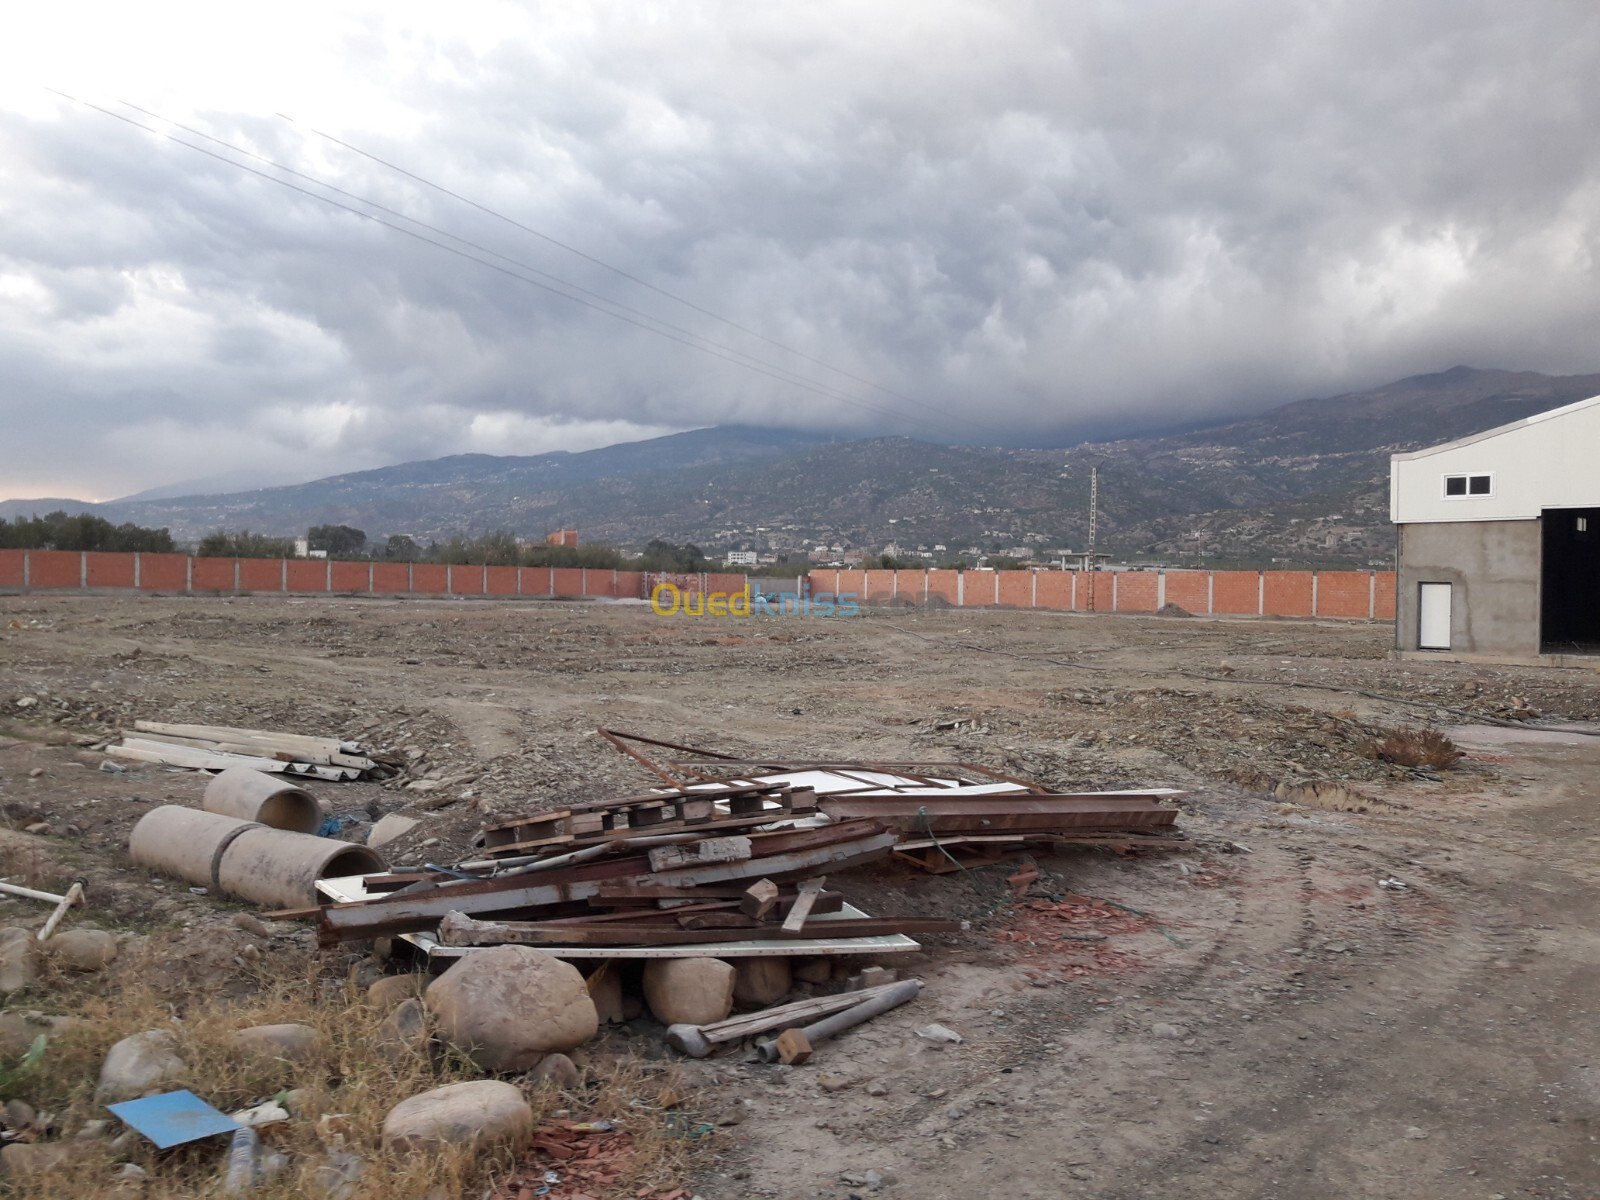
point(809, 890)
point(759, 899)
point(458, 929)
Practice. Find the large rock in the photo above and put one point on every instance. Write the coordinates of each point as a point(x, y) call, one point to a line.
point(139, 1064)
point(689, 991)
point(479, 1113)
point(605, 989)
point(296, 1043)
point(19, 959)
point(23, 1160)
point(758, 982)
point(83, 949)
point(508, 1006)
point(559, 1071)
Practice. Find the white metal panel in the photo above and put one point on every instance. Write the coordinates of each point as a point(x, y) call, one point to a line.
point(1546, 461)
point(1433, 617)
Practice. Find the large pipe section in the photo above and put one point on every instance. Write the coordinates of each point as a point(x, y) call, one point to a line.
point(272, 867)
point(252, 795)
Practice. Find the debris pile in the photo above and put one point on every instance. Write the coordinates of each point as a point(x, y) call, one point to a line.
point(218, 747)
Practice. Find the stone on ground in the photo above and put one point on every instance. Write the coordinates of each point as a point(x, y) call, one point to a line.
point(138, 1064)
point(389, 991)
point(508, 1006)
point(83, 949)
point(480, 1112)
point(758, 982)
point(557, 1070)
point(404, 1032)
point(689, 991)
point(297, 1043)
point(19, 959)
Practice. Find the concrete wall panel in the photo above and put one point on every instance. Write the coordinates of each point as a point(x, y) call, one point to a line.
point(1493, 568)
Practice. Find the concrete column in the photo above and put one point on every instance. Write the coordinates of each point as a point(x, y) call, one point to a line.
point(961, 589)
point(1261, 593)
point(188, 573)
point(1211, 592)
point(1115, 575)
point(136, 567)
point(83, 569)
point(1313, 593)
point(1161, 589)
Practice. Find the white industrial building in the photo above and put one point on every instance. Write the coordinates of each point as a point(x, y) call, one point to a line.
point(1499, 540)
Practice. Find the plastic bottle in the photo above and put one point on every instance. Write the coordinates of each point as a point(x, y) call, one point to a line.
point(242, 1150)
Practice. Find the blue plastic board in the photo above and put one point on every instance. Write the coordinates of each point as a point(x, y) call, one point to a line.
point(174, 1118)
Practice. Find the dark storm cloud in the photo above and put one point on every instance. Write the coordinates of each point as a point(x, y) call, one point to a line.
point(1041, 219)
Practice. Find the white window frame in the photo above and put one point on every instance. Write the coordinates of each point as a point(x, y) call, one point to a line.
point(1469, 476)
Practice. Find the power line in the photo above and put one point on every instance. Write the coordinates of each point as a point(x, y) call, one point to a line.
point(783, 374)
point(600, 304)
point(599, 262)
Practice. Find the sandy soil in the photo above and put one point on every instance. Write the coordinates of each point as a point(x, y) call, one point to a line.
point(1259, 1017)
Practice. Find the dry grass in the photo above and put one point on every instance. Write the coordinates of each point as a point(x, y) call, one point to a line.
point(351, 1080)
point(1417, 748)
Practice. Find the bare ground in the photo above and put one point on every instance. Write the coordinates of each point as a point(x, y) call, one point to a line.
point(1261, 1019)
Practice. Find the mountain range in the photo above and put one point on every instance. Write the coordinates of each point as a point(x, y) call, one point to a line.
point(1306, 483)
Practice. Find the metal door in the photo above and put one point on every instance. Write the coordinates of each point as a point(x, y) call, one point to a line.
point(1433, 617)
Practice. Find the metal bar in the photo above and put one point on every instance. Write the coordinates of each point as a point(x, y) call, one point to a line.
point(459, 930)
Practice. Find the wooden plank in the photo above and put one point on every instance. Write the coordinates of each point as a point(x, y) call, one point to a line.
point(802, 905)
point(706, 850)
point(457, 929)
point(410, 912)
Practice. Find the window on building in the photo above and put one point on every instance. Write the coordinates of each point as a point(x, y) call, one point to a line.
point(1469, 485)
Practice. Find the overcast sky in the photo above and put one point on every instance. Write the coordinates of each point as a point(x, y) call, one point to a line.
point(969, 220)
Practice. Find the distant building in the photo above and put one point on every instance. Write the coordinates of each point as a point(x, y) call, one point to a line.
point(1498, 541)
point(562, 537)
point(741, 558)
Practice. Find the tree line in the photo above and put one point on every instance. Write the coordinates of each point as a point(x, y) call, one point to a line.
point(58, 531)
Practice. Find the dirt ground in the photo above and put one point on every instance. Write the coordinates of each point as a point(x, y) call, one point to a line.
point(1253, 1015)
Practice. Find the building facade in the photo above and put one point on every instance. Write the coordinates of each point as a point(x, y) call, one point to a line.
point(1498, 541)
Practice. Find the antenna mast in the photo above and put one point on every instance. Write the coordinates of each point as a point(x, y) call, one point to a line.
point(1094, 525)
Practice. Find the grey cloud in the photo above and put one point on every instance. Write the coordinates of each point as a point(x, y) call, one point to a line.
point(1049, 220)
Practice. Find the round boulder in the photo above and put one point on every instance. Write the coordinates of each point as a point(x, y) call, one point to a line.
point(296, 1043)
point(83, 949)
point(478, 1113)
point(758, 982)
point(139, 1064)
point(508, 1006)
point(689, 991)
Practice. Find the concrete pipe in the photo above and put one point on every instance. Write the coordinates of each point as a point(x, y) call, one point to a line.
point(260, 796)
point(184, 842)
point(280, 869)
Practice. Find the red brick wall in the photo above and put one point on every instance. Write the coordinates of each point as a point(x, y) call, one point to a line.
point(854, 582)
point(260, 574)
point(1137, 591)
point(351, 576)
point(12, 567)
point(1016, 588)
point(429, 579)
point(629, 584)
point(1053, 589)
point(944, 584)
point(568, 581)
point(466, 579)
point(391, 578)
point(110, 570)
point(1384, 600)
point(1189, 590)
point(1286, 593)
point(307, 574)
point(501, 581)
point(55, 568)
point(1236, 592)
point(1343, 593)
point(212, 575)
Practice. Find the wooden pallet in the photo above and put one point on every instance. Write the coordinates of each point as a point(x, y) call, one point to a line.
point(736, 807)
